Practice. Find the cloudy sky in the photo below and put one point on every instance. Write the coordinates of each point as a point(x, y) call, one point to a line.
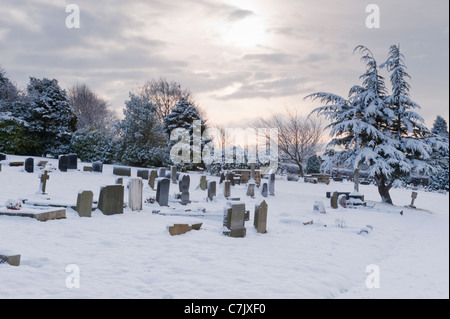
point(240, 58)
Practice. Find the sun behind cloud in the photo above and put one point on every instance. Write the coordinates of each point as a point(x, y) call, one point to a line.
point(247, 32)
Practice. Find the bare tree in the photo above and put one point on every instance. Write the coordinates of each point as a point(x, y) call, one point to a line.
point(298, 137)
point(91, 110)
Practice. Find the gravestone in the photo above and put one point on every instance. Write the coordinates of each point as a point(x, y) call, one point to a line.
point(184, 188)
point(179, 229)
point(11, 260)
point(63, 163)
point(122, 171)
point(43, 184)
point(227, 189)
point(2, 156)
point(110, 200)
point(29, 165)
point(162, 191)
point(84, 203)
point(119, 181)
point(87, 169)
point(173, 174)
point(251, 189)
point(42, 164)
point(319, 207)
point(72, 161)
point(342, 201)
point(264, 191)
point(222, 177)
point(272, 184)
point(334, 200)
point(162, 172)
point(135, 187)
point(260, 218)
point(203, 182)
point(152, 178)
point(413, 198)
point(252, 171)
point(97, 167)
point(234, 220)
point(211, 190)
point(143, 173)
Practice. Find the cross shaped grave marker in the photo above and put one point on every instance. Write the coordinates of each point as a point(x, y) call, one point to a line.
point(43, 177)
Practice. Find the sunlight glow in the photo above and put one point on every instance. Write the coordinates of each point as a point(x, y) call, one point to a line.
point(247, 32)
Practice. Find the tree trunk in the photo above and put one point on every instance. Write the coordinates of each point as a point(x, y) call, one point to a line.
point(384, 189)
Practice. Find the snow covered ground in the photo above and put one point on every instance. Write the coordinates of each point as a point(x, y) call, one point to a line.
point(132, 255)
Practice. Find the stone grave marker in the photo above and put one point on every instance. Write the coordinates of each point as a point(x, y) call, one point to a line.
point(264, 191)
point(260, 218)
point(43, 182)
point(173, 174)
point(211, 190)
point(203, 182)
point(110, 200)
point(413, 198)
point(234, 220)
point(29, 165)
point(184, 188)
point(11, 260)
point(319, 207)
point(122, 171)
point(334, 200)
point(272, 184)
point(342, 201)
point(143, 173)
point(135, 188)
point(162, 172)
point(2, 156)
point(84, 203)
point(119, 181)
point(227, 189)
point(42, 164)
point(63, 163)
point(72, 161)
point(251, 189)
point(162, 191)
point(87, 169)
point(97, 167)
point(153, 176)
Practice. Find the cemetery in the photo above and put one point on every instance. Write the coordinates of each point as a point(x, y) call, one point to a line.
point(153, 231)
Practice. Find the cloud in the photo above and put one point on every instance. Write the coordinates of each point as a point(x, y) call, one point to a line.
point(239, 14)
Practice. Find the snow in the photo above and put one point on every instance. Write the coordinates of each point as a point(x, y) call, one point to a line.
point(132, 255)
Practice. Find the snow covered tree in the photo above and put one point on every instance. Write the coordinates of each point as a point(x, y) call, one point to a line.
point(313, 165)
point(141, 133)
point(440, 180)
point(440, 127)
point(376, 129)
point(8, 92)
point(95, 145)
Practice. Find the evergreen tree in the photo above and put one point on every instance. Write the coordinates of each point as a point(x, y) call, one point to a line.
point(313, 165)
point(440, 127)
point(440, 180)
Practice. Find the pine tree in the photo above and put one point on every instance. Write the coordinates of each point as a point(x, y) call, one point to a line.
point(440, 180)
point(313, 165)
point(440, 127)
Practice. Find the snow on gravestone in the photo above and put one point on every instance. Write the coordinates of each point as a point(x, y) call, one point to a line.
point(135, 187)
point(97, 167)
point(122, 171)
point(162, 191)
point(234, 220)
point(319, 207)
point(84, 203)
point(110, 200)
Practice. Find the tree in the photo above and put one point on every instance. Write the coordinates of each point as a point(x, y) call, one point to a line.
point(440, 127)
point(90, 109)
point(8, 92)
point(313, 165)
point(377, 129)
point(298, 138)
point(440, 180)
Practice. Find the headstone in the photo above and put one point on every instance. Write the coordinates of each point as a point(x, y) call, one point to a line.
point(2, 156)
point(272, 184)
point(97, 167)
point(184, 188)
point(319, 207)
point(143, 173)
point(42, 164)
point(110, 200)
point(29, 165)
point(63, 163)
point(260, 219)
point(230, 177)
point(251, 189)
point(162, 191)
point(11, 260)
point(0, 167)
point(72, 161)
point(152, 178)
point(178, 229)
point(211, 190)
point(122, 171)
point(119, 181)
point(84, 203)
point(413, 198)
point(173, 174)
point(222, 177)
point(203, 182)
point(87, 168)
point(264, 191)
point(162, 172)
point(342, 200)
point(234, 220)
point(252, 171)
point(43, 184)
point(227, 189)
point(135, 188)
point(334, 200)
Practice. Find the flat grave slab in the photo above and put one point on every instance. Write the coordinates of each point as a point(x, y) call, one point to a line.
point(40, 213)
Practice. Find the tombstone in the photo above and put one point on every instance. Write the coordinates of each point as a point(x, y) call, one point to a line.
point(342, 200)
point(222, 178)
point(252, 171)
point(334, 200)
point(119, 181)
point(173, 174)
point(272, 184)
point(251, 189)
point(143, 173)
point(11, 260)
point(179, 229)
point(135, 187)
point(122, 171)
point(184, 189)
point(162, 172)
point(234, 220)
point(42, 164)
point(110, 200)
point(2, 156)
point(72, 161)
point(230, 177)
point(264, 191)
point(211, 190)
point(162, 191)
point(203, 182)
point(43, 185)
point(152, 178)
point(87, 169)
point(0, 167)
point(413, 198)
point(84, 203)
point(29, 165)
point(319, 207)
point(63, 163)
point(260, 218)
point(97, 167)
point(227, 189)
